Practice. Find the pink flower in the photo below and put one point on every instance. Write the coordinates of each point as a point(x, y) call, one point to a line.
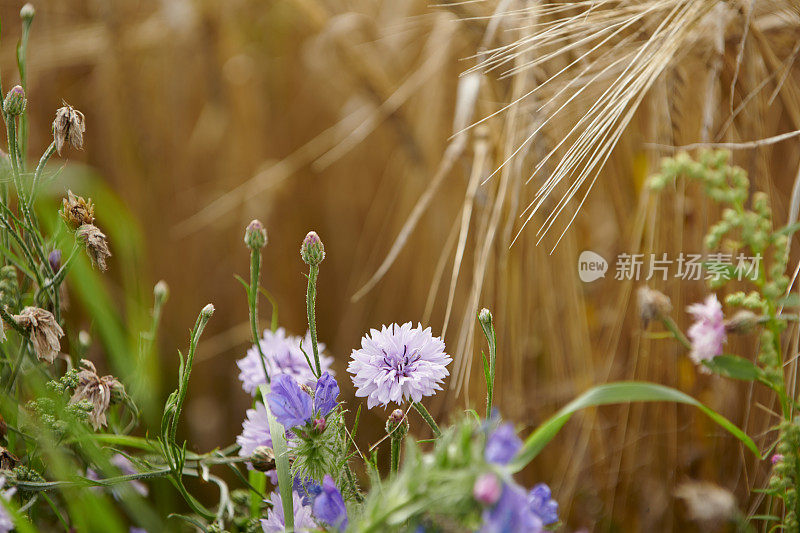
point(707, 333)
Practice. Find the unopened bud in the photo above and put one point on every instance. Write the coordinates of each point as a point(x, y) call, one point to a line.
point(27, 12)
point(263, 459)
point(84, 339)
point(776, 458)
point(487, 489)
point(207, 311)
point(485, 317)
point(54, 258)
point(14, 103)
point(652, 304)
point(307, 389)
point(320, 425)
point(743, 321)
point(118, 393)
point(312, 251)
point(255, 235)
point(161, 292)
point(397, 425)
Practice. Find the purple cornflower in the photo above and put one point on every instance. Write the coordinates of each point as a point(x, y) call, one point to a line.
point(6, 523)
point(398, 363)
point(274, 523)
point(542, 504)
point(486, 489)
point(511, 513)
point(502, 445)
point(707, 333)
point(325, 394)
point(282, 355)
point(328, 506)
point(127, 468)
point(255, 431)
point(290, 404)
point(307, 488)
point(776, 458)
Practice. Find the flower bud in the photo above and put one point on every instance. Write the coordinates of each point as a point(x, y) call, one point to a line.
point(312, 251)
point(84, 339)
point(54, 258)
point(161, 292)
point(118, 393)
point(27, 12)
point(320, 425)
point(776, 458)
point(486, 489)
point(14, 103)
point(742, 321)
point(652, 304)
point(255, 236)
point(485, 317)
point(207, 311)
point(263, 459)
point(397, 425)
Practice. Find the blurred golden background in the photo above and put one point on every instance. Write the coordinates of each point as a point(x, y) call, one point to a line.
point(340, 116)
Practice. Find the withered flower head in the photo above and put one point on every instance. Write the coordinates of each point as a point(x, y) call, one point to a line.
point(96, 244)
point(68, 126)
point(44, 332)
point(652, 304)
point(707, 502)
point(7, 459)
point(76, 211)
point(95, 389)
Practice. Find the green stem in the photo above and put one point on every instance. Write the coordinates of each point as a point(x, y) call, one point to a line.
point(395, 455)
point(37, 175)
point(428, 418)
point(252, 302)
point(311, 300)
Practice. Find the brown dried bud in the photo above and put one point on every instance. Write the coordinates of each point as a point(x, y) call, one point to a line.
point(742, 321)
point(97, 390)
point(652, 304)
point(76, 211)
point(96, 244)
point(7, 460)
point(706, 502)
point(44, 332)
point(263, 459)
point(68, 126)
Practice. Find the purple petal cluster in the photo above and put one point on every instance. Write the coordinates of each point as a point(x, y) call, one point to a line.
point(6, 523)
point(255, 431)
point(397, 364)
point(707, 333)
point(542, 504)
point(282, 355)
point(292, 406)
point(502, 445)
point(328, 506)
point(274, 523)
point(511, 513)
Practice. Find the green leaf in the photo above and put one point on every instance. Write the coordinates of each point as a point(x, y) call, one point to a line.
point(788, 230)
point(614, 393)
point(733, 366)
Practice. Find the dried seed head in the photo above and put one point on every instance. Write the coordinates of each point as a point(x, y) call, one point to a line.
point(255, 236)
point(44, 332)
point(76, 211)
point(652, 304)
point(96, 244)
point(312, 251)
point(741, 322)
point(706, 502)
point(7, 459)
point(68, 126)
point(96, 390)
point(263, 459)
point(14, 103)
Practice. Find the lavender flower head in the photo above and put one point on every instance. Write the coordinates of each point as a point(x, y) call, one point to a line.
point(398, 363)
point(511, 513)
point(542, 504)
point(502, 445)
point(255, 431)
point(328, 506)
point(292, 406)
point(303, 521)
point(282, 355)
point(6, 523)
point(707, 333)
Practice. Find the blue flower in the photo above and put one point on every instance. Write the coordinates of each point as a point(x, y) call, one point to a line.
point(511, 513)
point(306, 488)
point(542, 504)
point(502, 445)
point(328, 506)
point(325, 395)
point(287, 401)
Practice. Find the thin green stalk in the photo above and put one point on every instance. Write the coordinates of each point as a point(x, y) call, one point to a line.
point(252, 302)
point(311, 300)
point(37, 175)
point(395, 454)
point(487, 325)
point(428, 418)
